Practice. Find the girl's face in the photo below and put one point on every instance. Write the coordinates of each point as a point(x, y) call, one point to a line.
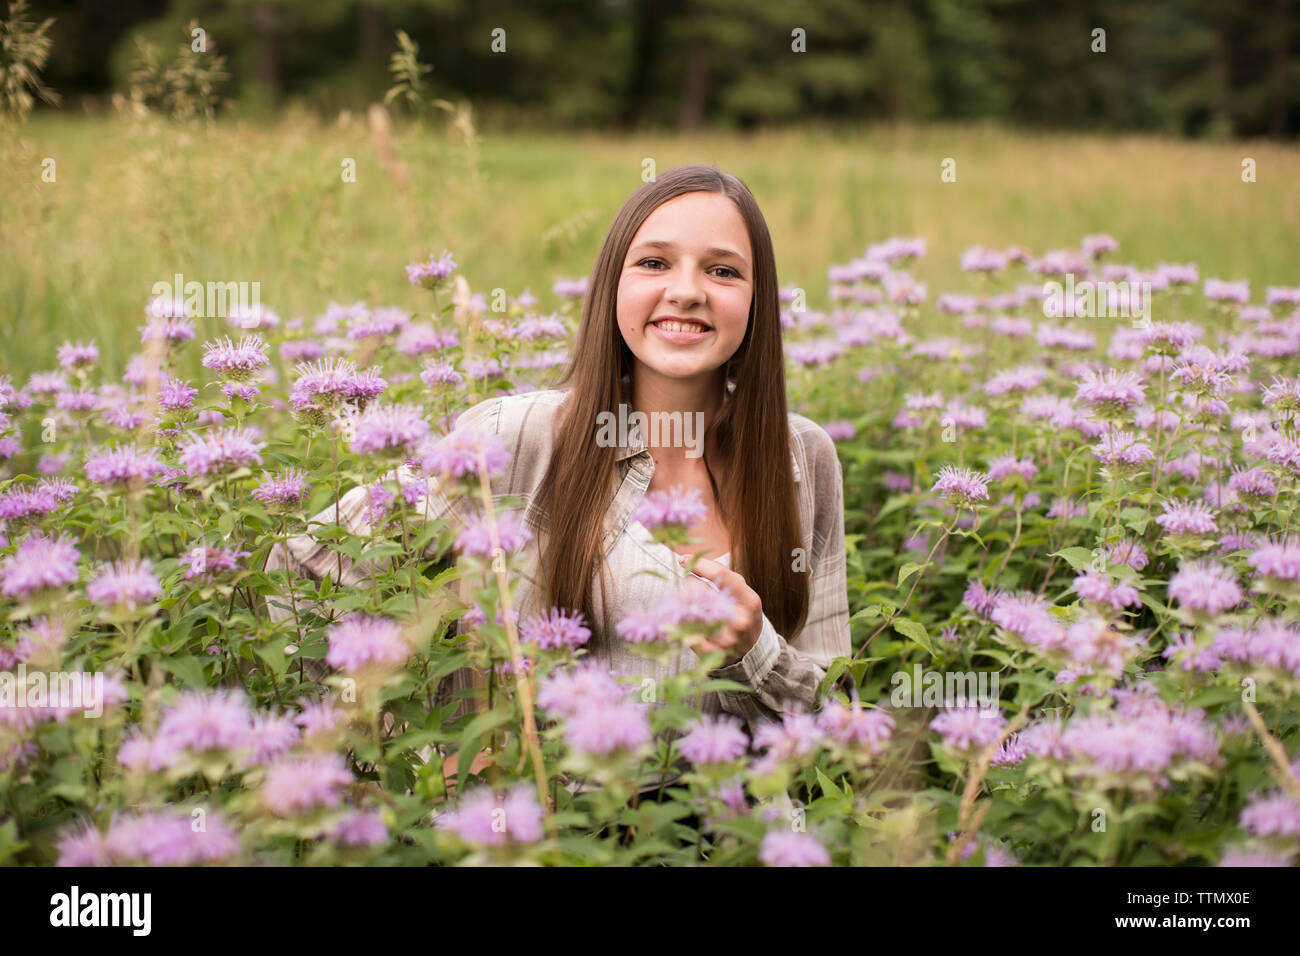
point(690, 261)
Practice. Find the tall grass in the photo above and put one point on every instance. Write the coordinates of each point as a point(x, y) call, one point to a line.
point(137, 200)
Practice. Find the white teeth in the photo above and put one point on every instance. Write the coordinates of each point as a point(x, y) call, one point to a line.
point(671, 326)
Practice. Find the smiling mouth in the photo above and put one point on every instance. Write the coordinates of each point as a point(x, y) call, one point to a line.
point(680, 325)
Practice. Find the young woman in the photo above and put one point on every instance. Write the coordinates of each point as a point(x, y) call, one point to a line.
point(681, 316)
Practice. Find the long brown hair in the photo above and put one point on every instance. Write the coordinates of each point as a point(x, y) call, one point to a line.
point(750, 431)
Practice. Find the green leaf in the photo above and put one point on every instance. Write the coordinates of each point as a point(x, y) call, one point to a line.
point(832, 674)
point(907, 570)
point(828, 788)
point(914, 631)
point(1077, 558)
point(188, 669)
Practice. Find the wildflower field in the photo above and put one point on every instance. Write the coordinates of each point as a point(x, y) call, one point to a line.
point(1084, 500)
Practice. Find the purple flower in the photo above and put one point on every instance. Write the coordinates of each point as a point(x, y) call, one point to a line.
point(236, 362)
point(361, 829)
point(328, 382)
point(1278, 562)
point(1183, 517)
point(360, 640)
point(1205, 587)
point(158, 838)
point(1122, 450)
point(77, 400)
point(643, 626)
point(484, 819)
point(1095, 647)
point(305, 782)
point(1007, 465)
point(983, 259)
point(208, 563)
point(566, 690)
point(318, 719)
point(1188, 657)
point(965, 728)
point(175, 395)
point(481, 370)
point(980, 599)
point(40, 563)
point(714, 740)
point(1126, 551)
point(1268, 643)
point(680, 506)
point(1012, 752)
point(1134, 746)
point(557, 629)
point(790, 848)
point(437, 372)
point(125, 583)
point(52, 464)
point(840, 430)
point(1283, 394)
point(1023, 378)
point(1276, 815)
point(961, 486)
point(77, 355)
point(126, 466)
point(1095, 587)
point(797, 737)
point(420, 338)
point(389, 429)
point(866, 729)
point(1254, 486)
point(270, 737)
point(1027, 615)
point(476, 539)
point(170, 329)
point(1219, 290)
point(301, 350)
point(1238, 856)
point(286, 491)
point(429, 274)
point(1097, 245)
point(194, 725)
point(1112, 394)
point(241, 390)
point(380, 323)
point(604, 729)
point(457, 454)
point(699, 608)
point(219, 451)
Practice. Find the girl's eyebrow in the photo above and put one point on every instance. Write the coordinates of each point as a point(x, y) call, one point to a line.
point(714, 253)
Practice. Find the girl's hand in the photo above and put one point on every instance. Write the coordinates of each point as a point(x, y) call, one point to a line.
point(742, 631)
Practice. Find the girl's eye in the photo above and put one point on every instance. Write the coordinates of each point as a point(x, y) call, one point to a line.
point(732, 273)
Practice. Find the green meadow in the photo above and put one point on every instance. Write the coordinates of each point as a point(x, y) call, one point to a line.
point(134, 201)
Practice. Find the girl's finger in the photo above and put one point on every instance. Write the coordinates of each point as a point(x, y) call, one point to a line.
point(710, 570)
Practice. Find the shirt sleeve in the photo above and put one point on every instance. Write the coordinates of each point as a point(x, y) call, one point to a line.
point(783, 674)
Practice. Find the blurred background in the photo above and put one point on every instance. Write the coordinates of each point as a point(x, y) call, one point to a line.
point(1208, 68)
point(317, 146)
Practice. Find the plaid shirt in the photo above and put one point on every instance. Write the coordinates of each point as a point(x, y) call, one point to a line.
point(783, 674)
